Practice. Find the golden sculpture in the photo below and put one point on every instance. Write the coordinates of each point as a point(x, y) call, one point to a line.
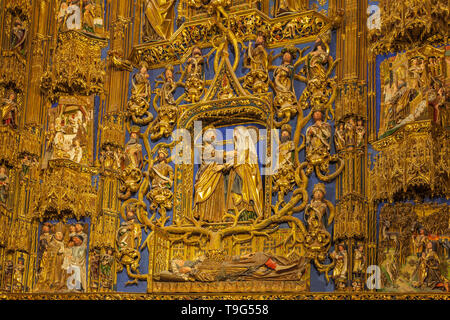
point(159, 14)
point(161, 175)
point(194, 85)
point(284, 178)
point(167, 111)
point(283, 80)
point(140, 97)
point(244, 192)
point(289, 6)
point(209, 198)
point(256, 59)
point(98, 166)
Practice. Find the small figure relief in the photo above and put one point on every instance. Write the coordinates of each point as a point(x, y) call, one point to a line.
point(69, 16)
point(18, 35)
point(257, 60)
point(4, 185)
point(339, 137)
point(86, 16)
point(283, 7)
point(93, 17)
point(413, 89)
point(28, 163)
point(225, 91)
point(18, 275)
point(316, 210)
point(350, 133)
point(340, 270)
point(319, 86)
point(318, 139)
point(8, 273)
point(209, 195)
point(132, 161)
point(167, 111)
point(194, 85)
point(69, 127)
point(284, 178)
point(10, 110)
point(139, 102)
point(100, 268)
point(283, 82)
point(128, 240)
point(62, 258)
point(428, 274)
point(161, 175)
point(360, 133)
point(247, 267)
point(359, 267)
point(106, 268)
point(111, 158)
point(245, 195)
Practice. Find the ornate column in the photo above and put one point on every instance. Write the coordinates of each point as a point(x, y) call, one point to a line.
point(23, 45)
point(351, 224)
point(111, 139)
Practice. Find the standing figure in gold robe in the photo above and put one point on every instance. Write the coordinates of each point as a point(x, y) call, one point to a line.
point(160, 14)
point(245, 191)
point(209, 198)
point(318, 139)
point(340, 269)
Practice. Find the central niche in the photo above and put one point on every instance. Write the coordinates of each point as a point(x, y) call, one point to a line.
point(229, 173)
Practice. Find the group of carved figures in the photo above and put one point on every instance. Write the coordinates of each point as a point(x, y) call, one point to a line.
point(81, 15)
point(318, 66)
point(62, 258)
point(341, 269)
point(414, 252)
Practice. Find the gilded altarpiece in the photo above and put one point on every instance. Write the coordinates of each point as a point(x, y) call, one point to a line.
point(224, 149)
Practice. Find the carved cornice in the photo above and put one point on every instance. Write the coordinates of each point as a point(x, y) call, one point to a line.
point(400, 135)
point(294, 28)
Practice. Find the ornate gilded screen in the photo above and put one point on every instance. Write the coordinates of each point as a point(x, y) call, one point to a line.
point(224, 149)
